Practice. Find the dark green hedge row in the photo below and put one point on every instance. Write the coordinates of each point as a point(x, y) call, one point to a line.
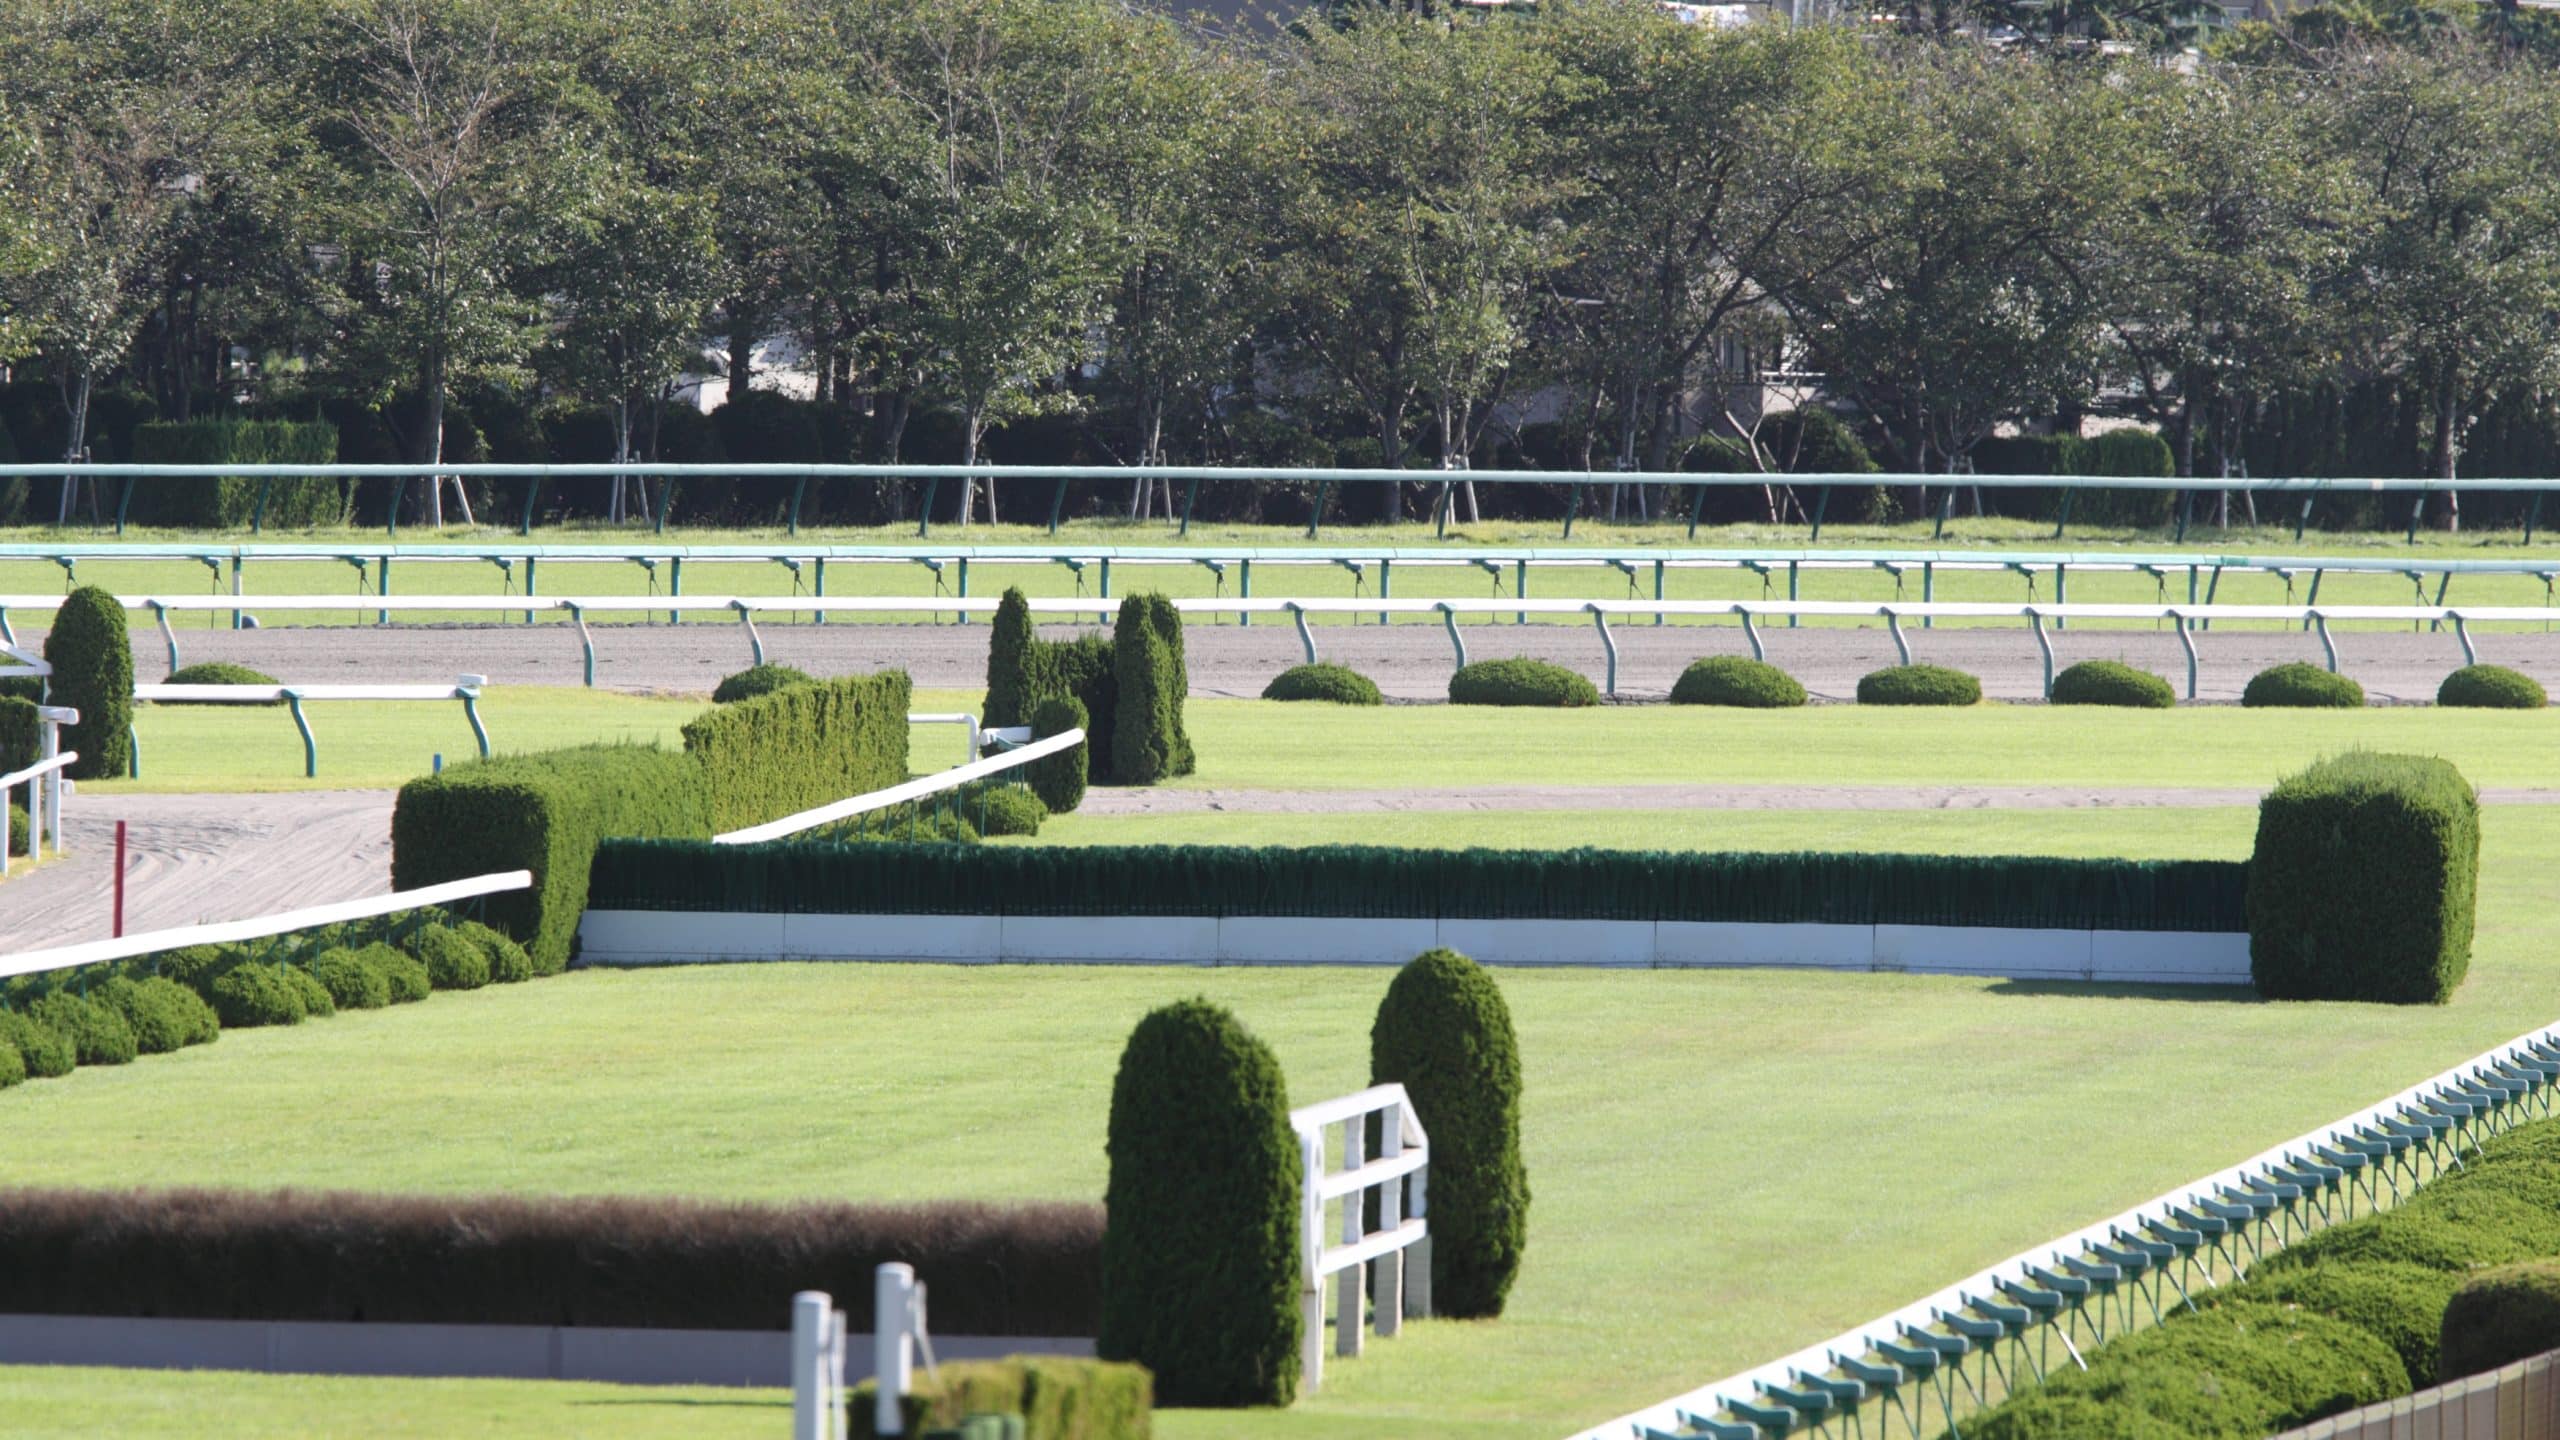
point(1376, 881)
point(1057, 1398)
point(231, 501)
point(650, 1263)
point(1024, 670)
point(800, 747)
point(2364, 881)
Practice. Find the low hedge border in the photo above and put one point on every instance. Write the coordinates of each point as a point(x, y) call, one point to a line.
point(1520, 682)
point(1383, 882)
point(1738, 681)
point(1058, 1399)
point(652, 1263)
point(1919, 685)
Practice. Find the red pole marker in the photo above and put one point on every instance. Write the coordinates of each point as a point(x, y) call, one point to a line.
point(119, 879)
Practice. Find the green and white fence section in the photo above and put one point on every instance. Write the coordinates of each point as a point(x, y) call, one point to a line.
point(942, 784)
point(283, 922)
point(466, 689)
point(1918, 1370)
point(1397, 1249)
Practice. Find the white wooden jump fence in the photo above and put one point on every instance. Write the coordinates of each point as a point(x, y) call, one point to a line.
point(283, 922)
point(2188, 619)
point(46, 785)
point(912, 790)
point(1399, 1246)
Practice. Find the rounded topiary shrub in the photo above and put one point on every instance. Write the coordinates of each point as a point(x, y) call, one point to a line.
point(217, 672)
point(258, 992)
point(1520, 682)
point(1736, 680)
point(508, 963)
point(352, 984)
point(2491, 687)
point(92, 658)
point(194, 966)
point(2499, 1317)
point(1058, 779)
point(453, 962)
point(407, 976)
point(2401, 1303)
point(13, 1066)
point(758, 680)
point(1444, 1033)
point(317, 1003)
point(1324, 681)
point(1918, 685)
point(2299, 685)
point(46, 1052)
point(164, 1014)
point(1200, 1243)
point(1005, 810)
point(99, 1036)
point(2112, 682)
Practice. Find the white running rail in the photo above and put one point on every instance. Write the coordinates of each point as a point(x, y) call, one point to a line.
point(930, 785)
point(1397, 1173)
point(1696, 1411)
point(64, 957)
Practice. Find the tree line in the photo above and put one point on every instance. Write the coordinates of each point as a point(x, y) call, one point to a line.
point(1374, 235)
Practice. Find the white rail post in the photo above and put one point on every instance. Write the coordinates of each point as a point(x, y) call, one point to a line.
point(1390, 1283)
point(1311, 1262)
point(817, 1367)
point(1350, 1320)
point(893, 1354)
point(52, 719)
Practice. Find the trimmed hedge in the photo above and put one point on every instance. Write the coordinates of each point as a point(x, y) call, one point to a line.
point(1148, 743)
point(2499, 1317)
point(1384, 882)
point(230, 501)
point(1444, 1033)
point(98, 1033)
point(92, 658)
point(1057, 1398)
point(1059, 779)
point(2491, 687)
point(315, 998)
point(537, 1260)
point(758, 680)
point(2112, 682)
point(1339, 684)
point(2364, 881)
point(217, 672)
point(1520, 682)
point(46, 1052)
point(2299, 685)
point(1200, 1248)
point(164, 1015)
point(2401, 1303)
point(351, 983)
point(1736, 680)
point(1005, 810)
point(545, 813)
point(1918, 685)
point(508, 963)
point(453, 960)
point(801, 747)
point(13, 1067)
point(408, 976)
point(21, 736)
point(1023, 670)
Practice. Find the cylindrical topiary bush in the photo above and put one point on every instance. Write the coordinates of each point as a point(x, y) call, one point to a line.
point(2499, 1317)
point(2299, 685)
point(259, 992)
point(92, 658)
point(1200, 1244)
point(507, 961)
point(352, 984)
point(1058, 779)
point(1736, 680)
point(2491, 687)
point(47, 1052)
point(99, 1036)
point(2112, 682)
point(1444, 1033)
point(164, 1014)
point(453, 962)
point(758, 680)
point(1918, 685)
point(1004, 810)
point(217, 672)
point(2364, 881)
point(1520, 682)
point(1148, 742)
point(1323, 680)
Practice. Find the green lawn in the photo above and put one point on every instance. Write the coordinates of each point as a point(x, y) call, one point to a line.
point(1727, 1165)
point(1248, 744)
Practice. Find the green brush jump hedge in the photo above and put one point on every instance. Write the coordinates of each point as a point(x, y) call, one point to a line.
point(2364, 881)
point(1736, 680)
point(1444, 1033)
point(758, 680)
point(802, 746)
point(2300, 685)
point(1918, 685)
point(1520, 682)
point(2112, 682)
point(1339, 684)
point(1200, 1244)
point(2491, 687)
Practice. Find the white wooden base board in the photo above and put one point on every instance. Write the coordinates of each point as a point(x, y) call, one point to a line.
point(649, 937)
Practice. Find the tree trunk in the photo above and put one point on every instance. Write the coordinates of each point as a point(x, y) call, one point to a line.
point(430, 442)
point(621, 456)
point(2447, 453)
point(742, 350)
point(76, 446)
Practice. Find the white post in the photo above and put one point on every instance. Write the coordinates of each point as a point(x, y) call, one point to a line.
point(53, 718)
point(1350, 1320)
point(1311, 1243)
point(892, 1344)
point(810, 1312)
point(1390, 1284)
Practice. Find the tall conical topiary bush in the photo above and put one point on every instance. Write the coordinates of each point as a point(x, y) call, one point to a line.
point(1444, 1033)
point(91, 653)
point(1200, 1243)
point(1147, 739)
point(1009, 653)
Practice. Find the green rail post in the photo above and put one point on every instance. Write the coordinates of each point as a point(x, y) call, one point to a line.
point(1792, 620)
point(2187, 642)
point(1440, 511)
point(258, 515)
point(529, 585)
point(2062, 516)
point(924, 510)
point(2417, 512)
point(1315, 513)
point(1821, 505)
point(818, 584)
point(666, 503)
point(1572, 508)
point(133, 757)
point(1457, 642)
point(2186, 511)
point(399, 497)
point(2303, 519)
point(586, 640)
point(1697, 509)
point(1609, 643)
point(1386, 584)
point(1244, 590)
point(2314, 597)
point(1306, 637)
point(310, 747)
point(160, 613)
point(471, 712)
point(235, 587)
point(1751, 632)
point(123, 499)
point(799, 487)
point(533, 492)
point(2061, 592)
point(1190, 497)
point(1658, 617)
point(675, 584)
point(1520, 587)
point(2532, 516)
point(1057, 503)
point(1946, 512)
point(382, 587)
point(2044, 643)
point(1928, 591)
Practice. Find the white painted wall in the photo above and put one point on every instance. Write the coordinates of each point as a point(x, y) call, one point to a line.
point(652, 937)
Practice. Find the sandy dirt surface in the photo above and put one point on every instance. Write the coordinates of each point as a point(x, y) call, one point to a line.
point(1409, 662)
point(198, 858)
